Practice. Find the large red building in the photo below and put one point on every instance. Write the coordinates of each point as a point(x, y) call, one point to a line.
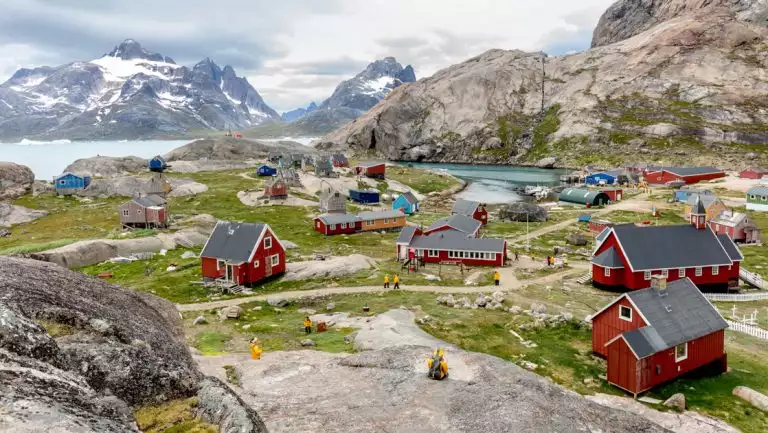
point(371, 169)
point(689, 175)
point(450, 247)
point(470, 209)
point(655, 335)
point(242, 253)
point(460, 223)
point(627, 255)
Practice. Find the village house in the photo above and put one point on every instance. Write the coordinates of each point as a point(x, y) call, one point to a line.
point(70, 183)
point(339, 160)
point(159, 185)
point(757, 198)
point(338, 224)
point(737, 226)
point(586, 197)
point(460, 223)
point(713, 206)
point(144, 212)
point(627, 256)
point(157, 164)
point(265, 170)
point(332, 201)
point(598, 225)
point(364, 196)
point(406, 203)
point(290, 176)
point(375, 170)
point(323, 168)
point(658, 334)
point(753, 173)
point(387, 220)
point(684, 193)
point(242, 253)
point(450, 247)
point(615, 194)
point(688, 175)
point(276, 188)
point(470, 209)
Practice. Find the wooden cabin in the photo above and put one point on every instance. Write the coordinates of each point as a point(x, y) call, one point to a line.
point(713, 206)
point(339, 160)
point(276, 188)
point(628, 256)
point(406, 203)
point(658, 334)
point(757, 198)
point(290, 176)
point(472, 209)
point(586, 197)
point(688, 175)
point(737, 226)
point(242, 253)
point(70, 183)
point(753, 173)
point(266, 170)
point(615, 194)
point(460, 223)
point(323, 168)
point(450, 247)
point(338, 224)
point(144, 212)
point(382, 220)
point(159, 185)
point(364, 196)
point(375, 170)
point(332, 201)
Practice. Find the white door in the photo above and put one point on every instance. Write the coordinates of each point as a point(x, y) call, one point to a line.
point(618, 196)
point(403, 251)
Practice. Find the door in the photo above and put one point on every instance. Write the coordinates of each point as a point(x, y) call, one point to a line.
point(618, 196)
point(268, 267)
point(230, 273)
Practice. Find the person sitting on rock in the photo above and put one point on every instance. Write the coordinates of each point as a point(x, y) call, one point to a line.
point(307, 325)
point(256, 349)
point(437, 366)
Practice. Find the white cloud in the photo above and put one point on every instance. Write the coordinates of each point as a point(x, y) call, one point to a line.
point(293, 51)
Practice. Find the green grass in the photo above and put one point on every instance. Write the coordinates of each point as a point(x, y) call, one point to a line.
point(55, 329)
point(211, 343)
point(177, 416)
point(423, 181)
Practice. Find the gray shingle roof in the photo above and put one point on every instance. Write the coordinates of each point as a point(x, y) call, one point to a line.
point(150, 201)
point(410, 197)
point(677, 315)
point(603, 234)
point(457, 241)
point(460, 223)
point(706, 199)
point(233, 242)
point(380, 214)
point(730, 247)
point(323, 165)
point(338, 218)
point(609, 259)
point(761, 190)
point(465, 207)
point(669, 247)
point(369, 164)
point(406, 235)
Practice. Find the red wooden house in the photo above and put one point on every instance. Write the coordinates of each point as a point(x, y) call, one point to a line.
point(338, 224)
point(460, 223)
point(339, 160)
point(597, 225)
point(470, 209)
point(689, 175)
point(655, 335)
point(753, 173)
point(737, 226)
point(451, 247)
point(627, 255)
point(371, 169)
point(614, 194)
point(276, 188)
point(242, 253)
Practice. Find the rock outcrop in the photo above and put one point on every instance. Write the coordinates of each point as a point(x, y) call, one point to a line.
point(333, 267)
point(702, 72)
point(129, 186)
point(232, 149)
point(107, 166)
point(12, 214)
point(15, 180)
point(522, 212)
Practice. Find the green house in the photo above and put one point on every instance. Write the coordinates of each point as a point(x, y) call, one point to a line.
point(757, 198)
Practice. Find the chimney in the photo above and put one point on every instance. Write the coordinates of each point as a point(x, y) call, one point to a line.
point(659, 283)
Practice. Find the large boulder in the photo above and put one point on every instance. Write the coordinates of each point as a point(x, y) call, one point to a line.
point(330, 268)
point(230, 149)
point(12, 214)
point(15, 180)
point(129, 186)
point(522, 212)
point(107, 166)
point(219, 405)
point(577, 239)
point(755, 398)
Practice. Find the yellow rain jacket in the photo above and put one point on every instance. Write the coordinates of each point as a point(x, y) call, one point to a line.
point(256, 351)
point(439, 353)
point(496, 276)
point(396, 279)
point(386, 279)
point(307, 323)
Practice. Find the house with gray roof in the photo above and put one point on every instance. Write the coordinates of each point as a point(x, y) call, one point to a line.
point(460, 223)
point(450, 247)
point(654, 335)
point(757, 198)
point(472, 209)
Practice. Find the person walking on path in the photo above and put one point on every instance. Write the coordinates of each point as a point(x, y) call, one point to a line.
point(386, 281)
point(496, 277)
point(396, 280)
point(307, 325)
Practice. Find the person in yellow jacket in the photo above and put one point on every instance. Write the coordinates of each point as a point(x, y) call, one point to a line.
point(256, 349)
point(437, 366)
point(307, 325)
point(396, 280)
point(386, 281)
point(496, 277)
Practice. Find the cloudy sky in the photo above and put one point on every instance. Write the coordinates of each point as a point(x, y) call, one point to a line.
point(292, 51)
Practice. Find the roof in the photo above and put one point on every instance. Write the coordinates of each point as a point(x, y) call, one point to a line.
point(761, 190)
point(612, 173)
point(670, 247)
point(578, 195)
point(603, 234)
point(369, 164)
point(409, 197)
point(460, 223)
point(756, 170)
point(733, 251)
point(338, 218)
point(609, 259)
point(377, 215)
point(457, 241)
point(339, 157)
point(149, 201)
point(406, 235)
point(323, 164)
point(690, 171)
point(465, 207)
point(706, 199)
point(68, 173)
point(729, 218)
point(365, 191)
point(676, 315)
point(232, 241)
point(698, 207)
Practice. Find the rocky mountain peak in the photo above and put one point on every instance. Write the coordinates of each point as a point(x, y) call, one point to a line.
point(130, 49)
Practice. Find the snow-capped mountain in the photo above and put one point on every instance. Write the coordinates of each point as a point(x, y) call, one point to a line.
point(290, 116)
point(128, 93)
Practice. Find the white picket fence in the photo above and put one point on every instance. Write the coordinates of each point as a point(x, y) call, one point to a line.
point(748, 329)
point(752, 278)
point(746, 297)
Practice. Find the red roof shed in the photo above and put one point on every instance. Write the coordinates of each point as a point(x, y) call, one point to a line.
point(753, 173)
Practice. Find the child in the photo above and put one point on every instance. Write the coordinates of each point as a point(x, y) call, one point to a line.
point(307, 325)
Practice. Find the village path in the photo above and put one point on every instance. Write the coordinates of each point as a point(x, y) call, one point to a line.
point(508, 283)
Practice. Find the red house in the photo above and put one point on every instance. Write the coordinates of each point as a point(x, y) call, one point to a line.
point(737, 226)
point(276, 188)
point(339, 160)
point(655, 335)
point(460, 223)
point(753, 173)
point(627, 255)
point(597, 226)
point(615, 194)
point(371, 169)
point(242, 253)
point(689, 175)
point(470, 209)
point(451, 247)
point(338, 224)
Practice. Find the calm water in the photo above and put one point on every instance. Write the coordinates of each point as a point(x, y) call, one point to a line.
point(494, 184)
point(48, 159)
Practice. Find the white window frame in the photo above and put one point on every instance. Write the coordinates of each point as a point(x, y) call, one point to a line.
point(274, 260)
point(679, 358)
point(386, 220)
point(647, 275)
point(623, 308)
point(433, 253)
point(317, 224)
point(268, 238)
point(699, 272)
point(607, 272)
point(64, 182)
point(715, 270)
point(681, 273)
point(255, 264)
point(665, 273)
point(343, 225)
point(221, 264)
point(369, 222)
point(332, 227)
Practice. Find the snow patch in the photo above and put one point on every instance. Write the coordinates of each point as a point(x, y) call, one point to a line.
point(378, 85)
point(6, 104)
point(117, 69)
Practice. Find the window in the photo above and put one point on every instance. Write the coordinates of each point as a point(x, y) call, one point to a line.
point(138, 211)
point(699, 272)
point(681, 352)
point(607, 272)
point(647, 275)
point(715, 270)
point(255, 264)
point(625, 313)
point(433, 253)
point(386, 220)
point(220, 264)
point(267, 242)
point(332, 227)
point(274, 260)
point(343, 225)
point(681, 273)
point(125, 212)
point(317, 224)
point(369, 223)
point(665, 273)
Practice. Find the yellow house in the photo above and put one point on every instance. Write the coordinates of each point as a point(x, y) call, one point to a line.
point(712, 204)
point(383, 220)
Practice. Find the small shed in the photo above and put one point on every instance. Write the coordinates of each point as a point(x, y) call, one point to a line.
point(339, 160)
point(157, 164)
point(757, 198)
point(70, 183)
point(598, 225)
point(144, 212)
point(585, 197)
point(603, 178)
point(331, 201)
point(406, 203)
point(323, 168)
point(375, 170)
point(276, 188)
point(614, 193)
point(753, 173)
point(266, 170)
point(683, 194)
point(364, 196)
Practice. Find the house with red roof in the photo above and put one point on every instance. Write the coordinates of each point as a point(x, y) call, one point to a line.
point(689, 175)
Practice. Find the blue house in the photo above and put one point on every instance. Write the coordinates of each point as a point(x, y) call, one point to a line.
point(70, 183)
point(407, 203)
point(266, 170)
point(603, 178)
point(363, 196)
point(685, 193)
point(157, 164)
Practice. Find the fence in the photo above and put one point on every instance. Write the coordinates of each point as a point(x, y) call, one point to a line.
point(751, 278)
point(748, 329)
point(747, 297)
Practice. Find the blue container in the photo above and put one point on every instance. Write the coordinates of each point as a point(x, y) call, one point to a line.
point(364, 196)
